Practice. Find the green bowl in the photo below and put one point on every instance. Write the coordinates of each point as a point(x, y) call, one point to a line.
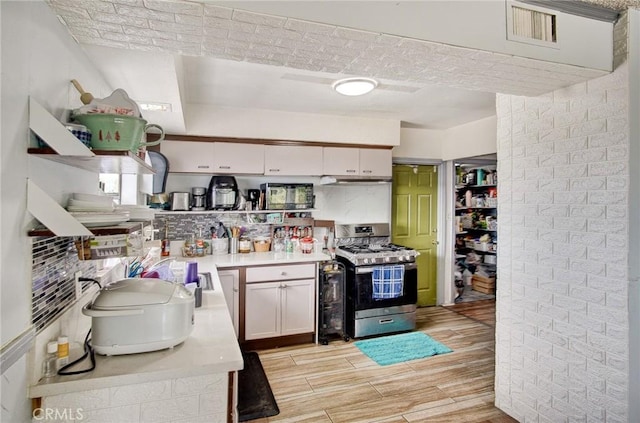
point(117, 132)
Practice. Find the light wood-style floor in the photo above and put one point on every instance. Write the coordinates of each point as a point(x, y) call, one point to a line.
point(337, 383)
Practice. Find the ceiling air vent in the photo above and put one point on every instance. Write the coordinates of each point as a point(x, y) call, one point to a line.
point(528, 24)
point(532, 24)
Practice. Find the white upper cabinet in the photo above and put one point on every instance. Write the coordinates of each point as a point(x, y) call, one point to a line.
point(356, 161)
point(238, 158)
point(292, 160)
point(375, 162)
point(189, 156)
point(341, 161)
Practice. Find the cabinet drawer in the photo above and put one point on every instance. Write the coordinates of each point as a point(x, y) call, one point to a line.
point(281, 273)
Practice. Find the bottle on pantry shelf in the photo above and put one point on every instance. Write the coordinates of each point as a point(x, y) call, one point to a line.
point(63, 351)
point(50, 363)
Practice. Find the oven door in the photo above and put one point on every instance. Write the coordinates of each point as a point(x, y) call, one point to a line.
point(364, 291)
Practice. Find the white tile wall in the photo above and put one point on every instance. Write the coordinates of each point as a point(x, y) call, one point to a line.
point(191, 399)
point(562, 332)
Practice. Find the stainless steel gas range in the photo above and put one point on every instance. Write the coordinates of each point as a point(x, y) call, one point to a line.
point(381, 280)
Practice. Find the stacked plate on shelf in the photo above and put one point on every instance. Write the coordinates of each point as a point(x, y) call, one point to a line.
point(138, 213)
point(95, 210)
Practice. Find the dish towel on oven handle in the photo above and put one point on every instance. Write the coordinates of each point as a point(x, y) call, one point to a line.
point(388, 281)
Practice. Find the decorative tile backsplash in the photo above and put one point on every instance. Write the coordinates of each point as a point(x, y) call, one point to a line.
point(55, 262)
point(181, 225)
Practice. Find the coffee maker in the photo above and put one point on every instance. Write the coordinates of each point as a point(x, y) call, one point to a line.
point(198, 198)
point(222, 193)
point(253, 196)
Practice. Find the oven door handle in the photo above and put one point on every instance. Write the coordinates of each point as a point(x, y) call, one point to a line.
point(369, 269)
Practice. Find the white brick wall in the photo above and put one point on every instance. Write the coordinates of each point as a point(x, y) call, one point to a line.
point(562, 316)
point(191, 399)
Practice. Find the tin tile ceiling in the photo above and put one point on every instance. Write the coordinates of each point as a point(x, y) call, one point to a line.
point(205, 30)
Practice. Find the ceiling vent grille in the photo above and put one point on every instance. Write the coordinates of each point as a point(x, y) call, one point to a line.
point(533, 24)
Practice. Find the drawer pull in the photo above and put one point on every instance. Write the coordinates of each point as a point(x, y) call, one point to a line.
point(385, 321)
point(203, 166)
point(283, 273)
point(224, 167)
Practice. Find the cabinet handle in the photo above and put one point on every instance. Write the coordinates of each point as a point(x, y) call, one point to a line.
point(385, 321)
point(367, 171)
point(224, 167)
point(235, 290)
point(283, 273)
point(203, 166)
point(274, 170)
point(351, 171)
point(284, 286)
point(435, 242)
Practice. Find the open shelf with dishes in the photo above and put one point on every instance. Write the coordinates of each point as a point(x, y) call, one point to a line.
point(119, 229)
point(62, 146)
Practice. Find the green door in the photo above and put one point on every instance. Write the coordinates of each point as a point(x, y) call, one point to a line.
point(413, 222)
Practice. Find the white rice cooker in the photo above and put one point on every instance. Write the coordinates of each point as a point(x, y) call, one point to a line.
point(139, 315)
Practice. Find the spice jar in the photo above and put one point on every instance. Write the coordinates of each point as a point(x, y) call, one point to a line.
point(244, 245)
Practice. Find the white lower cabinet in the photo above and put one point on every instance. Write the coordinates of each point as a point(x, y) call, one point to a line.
point(230, 281)
point(280, 307)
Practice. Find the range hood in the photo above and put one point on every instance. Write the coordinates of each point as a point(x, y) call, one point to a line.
point(354, 179)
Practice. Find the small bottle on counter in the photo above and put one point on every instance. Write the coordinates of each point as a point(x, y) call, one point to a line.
point(288, 245)
point(166, 245)
point(63, 351)
point(50, 363)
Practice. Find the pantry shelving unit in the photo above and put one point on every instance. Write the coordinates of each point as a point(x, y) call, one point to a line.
point(476, 221)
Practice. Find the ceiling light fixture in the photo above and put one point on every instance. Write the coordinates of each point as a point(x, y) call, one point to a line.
point(354, 86)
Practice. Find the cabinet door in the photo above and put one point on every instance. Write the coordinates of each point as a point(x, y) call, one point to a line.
point(292, 160)
point(262, 310)
point(238, 158)
point(188, 156)
point(340, 161)
point(375, 162)
point(298, 306)
point(230, 281)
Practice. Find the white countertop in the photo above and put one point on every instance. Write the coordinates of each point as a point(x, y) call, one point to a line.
point(212, 347)
point(254, 259)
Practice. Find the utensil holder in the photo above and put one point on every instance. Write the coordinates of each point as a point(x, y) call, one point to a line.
point(233, 245)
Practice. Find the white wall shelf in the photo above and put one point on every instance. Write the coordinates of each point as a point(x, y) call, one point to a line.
point(104, 161)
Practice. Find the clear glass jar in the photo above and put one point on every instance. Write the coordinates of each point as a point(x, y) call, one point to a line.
point(244, 245)
point(50, 363)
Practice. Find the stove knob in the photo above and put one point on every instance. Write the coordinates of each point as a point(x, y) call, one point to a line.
point(387, 259)
point(365, 261)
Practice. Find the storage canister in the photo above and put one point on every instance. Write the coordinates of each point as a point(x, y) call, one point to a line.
point(244, 245)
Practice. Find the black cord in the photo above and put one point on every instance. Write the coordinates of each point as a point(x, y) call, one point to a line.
point(88, 351)
point(81, 279)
